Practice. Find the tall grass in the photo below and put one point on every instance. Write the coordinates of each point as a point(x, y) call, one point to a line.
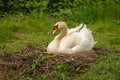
point(92, 11)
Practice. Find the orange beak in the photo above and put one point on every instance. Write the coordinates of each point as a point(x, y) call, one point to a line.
point(55, 30)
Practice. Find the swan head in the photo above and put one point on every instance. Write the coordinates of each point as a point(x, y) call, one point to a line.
point(58, 26)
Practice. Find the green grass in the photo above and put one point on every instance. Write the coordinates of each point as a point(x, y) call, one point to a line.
point(106, 34)
point(17, 32)
point(102, 17)
point(105, 68)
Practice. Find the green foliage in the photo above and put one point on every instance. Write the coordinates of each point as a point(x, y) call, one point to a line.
point(94, 11)
point(6, 33)
point(57, 8)
point(106, 68)
point(21, 7)
point(59, 73)
point(76, 10)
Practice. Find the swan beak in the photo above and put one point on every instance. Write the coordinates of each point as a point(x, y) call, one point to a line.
point(54, 31)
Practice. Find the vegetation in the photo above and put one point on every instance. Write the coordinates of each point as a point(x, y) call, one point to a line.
point(106, 69)
point(26, 22)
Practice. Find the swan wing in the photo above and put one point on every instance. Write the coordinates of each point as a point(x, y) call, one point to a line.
point(76, 29)
point(77, 41)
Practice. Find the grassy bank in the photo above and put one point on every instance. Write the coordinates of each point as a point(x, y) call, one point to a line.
point(27, 25)
point(105, 68)
point(17, 32)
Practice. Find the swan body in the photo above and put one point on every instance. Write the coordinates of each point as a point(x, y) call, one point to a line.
point(71, 40)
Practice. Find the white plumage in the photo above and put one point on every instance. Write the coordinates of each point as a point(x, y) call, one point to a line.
point(71, 40)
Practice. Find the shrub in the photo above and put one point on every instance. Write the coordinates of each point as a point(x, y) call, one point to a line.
point(76, 10)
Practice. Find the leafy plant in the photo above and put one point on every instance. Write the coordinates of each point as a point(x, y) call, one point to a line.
point(59, 73)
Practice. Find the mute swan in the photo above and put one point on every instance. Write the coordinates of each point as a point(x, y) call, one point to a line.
point(71, 40)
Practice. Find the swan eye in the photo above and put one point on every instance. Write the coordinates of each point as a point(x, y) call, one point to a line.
point(55, 27)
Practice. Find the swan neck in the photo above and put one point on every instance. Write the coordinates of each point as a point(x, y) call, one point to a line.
point(63, 32)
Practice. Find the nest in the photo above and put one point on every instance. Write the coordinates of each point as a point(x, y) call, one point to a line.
point(34, 61)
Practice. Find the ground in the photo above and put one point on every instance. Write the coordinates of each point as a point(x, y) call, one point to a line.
point(23, 56)
point(34, 61)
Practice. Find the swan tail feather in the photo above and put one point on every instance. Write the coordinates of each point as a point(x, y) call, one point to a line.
point(85, 26)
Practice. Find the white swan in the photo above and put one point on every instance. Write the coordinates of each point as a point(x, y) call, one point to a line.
point(71, 40)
